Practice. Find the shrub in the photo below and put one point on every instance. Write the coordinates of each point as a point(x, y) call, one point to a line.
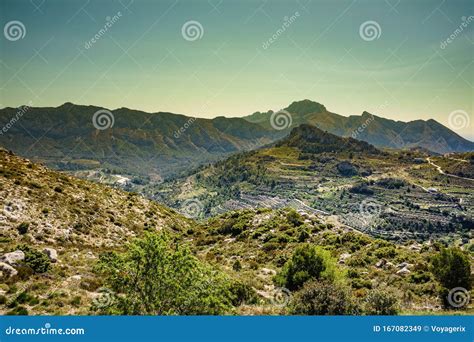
point(380, 303)
point(237, 266)
point(23, 228)
point(322, 298)
point(294, 218)
point(361, 188)
point(156, 277)
point(307, 263)
point(38, 261)
point(18, 311)
point(391, 183)
point(242, 294)
point(452, 268)
point(385, 252)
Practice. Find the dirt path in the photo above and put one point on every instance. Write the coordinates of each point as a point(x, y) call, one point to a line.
point(444, 173)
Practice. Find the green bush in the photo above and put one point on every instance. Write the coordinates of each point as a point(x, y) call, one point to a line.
point(452, 268)
point(242, 294)
point(307, 263)
point(156, 277)
point(385, 252)
point(23, 228)
point(237, 266)
point(322, 298)
point(294, 218)
point(380, 302)
point(18, 311)
point(38, 261)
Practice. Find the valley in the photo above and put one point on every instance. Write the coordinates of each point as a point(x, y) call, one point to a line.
point(59, 234)
point(397, 195)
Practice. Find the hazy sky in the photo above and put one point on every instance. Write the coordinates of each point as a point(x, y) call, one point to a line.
point(406, 71)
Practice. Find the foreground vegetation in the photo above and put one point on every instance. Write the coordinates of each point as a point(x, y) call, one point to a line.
point(73, 247)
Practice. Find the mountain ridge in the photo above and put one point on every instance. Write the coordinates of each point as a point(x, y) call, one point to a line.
point(168, 144)
point(379, 131)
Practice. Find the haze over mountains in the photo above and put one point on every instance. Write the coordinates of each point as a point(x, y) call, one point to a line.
point(166, 144)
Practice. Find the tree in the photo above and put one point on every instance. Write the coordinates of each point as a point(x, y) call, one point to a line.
point(452, 268)
point(307, 263)
point(322, 298)
point(380, 302)
point(157, 277)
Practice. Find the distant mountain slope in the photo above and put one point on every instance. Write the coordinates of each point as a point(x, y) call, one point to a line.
point(310, 139)
point(378, 131)
point(138, 142)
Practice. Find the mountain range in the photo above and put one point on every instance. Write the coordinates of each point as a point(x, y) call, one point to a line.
point(378, 131)
point(166, 144)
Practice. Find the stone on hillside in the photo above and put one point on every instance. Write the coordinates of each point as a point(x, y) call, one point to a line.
point(415, 247)
point(268, 271)
point(404, 265)
point(344, 257)
point(13, 258)
point(380, 263)
point(51, 253)
point(90, 255)
point(7, 270)
point(403, 271)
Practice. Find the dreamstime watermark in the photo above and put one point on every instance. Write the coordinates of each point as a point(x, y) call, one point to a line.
point(370, 30)
point(105, 299)
point(281, 296)
point(459, 119)
point(192, 208)
point(362, 127)
point(458, 297)
point(287, 21)
point(103, 119)
point(110, 21)
point(20, 112)
point(456, 32)
point(46, 330)
point(14, 30)
point(183, 128)
point(281, 120)
point(370, 208)
point(368, 121)
point(192, 30)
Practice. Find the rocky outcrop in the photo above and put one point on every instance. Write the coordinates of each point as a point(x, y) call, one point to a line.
point(7, 270)
point(13, 258)
point(51, 253)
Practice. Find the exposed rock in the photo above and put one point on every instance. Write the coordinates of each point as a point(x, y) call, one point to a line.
point(344, 257)
point(380, 263)
point(90, 255)
point(415, 247)
point(7, 270)
point(13, 258)
point(404, 265)
point(51, 253)
point(268, 271)
point(403, 271)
